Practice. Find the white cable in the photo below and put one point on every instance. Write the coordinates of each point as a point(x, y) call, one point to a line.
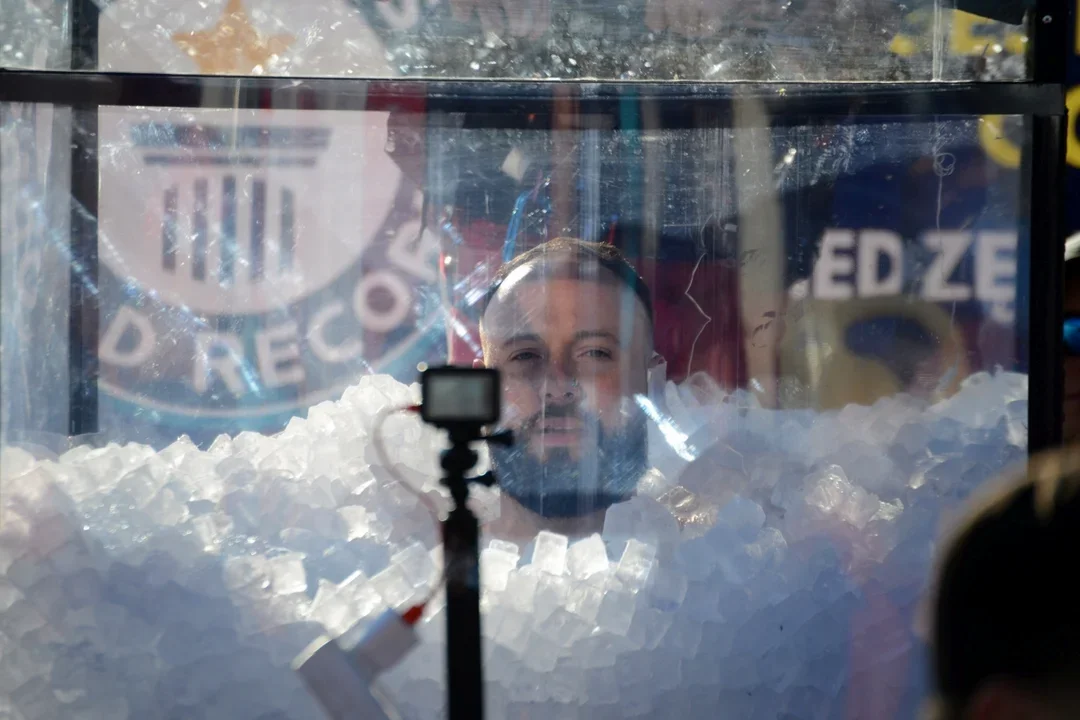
point(384, 458)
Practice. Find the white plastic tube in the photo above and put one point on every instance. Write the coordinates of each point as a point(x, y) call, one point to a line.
point(340, 679)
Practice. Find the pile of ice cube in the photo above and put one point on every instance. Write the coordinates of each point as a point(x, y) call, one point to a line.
point(770, 568)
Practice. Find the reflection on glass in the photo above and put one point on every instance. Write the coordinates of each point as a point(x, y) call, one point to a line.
point(755, 373)
point(805, 40)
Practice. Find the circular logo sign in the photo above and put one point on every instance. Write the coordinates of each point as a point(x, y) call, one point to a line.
point(231, 244)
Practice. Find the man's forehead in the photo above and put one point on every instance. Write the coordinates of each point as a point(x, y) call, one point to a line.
point(555, 266)
point(533, 288)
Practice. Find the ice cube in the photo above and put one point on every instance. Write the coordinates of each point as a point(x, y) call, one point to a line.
point(512, 632)
point(648, 627)
point(212, 530)
point(236, 471)
point(587, 557)
point(9, 595)
point(356, 517)
point(140, 485)
point(166, 509)
point(636, 564)
point(584, 600)
point(249, 575)
point(20, 618)
point(633, 671)
point(505, 546)
point(331, 609)
point(551, 593)
point(394, 586)
point(616, 612)
point(287, 571)
point(542, 653)
point(496, 566)
point(684, 635)
point(549, 552)
point(669, 589)
point(642, 518)
point(15, 462)
point(563, 628)
point(415, 563)
point(520, 591)
point(176, 452)
point(742, 516)
point(697, 558)
point(602, 688)
point(221, 447)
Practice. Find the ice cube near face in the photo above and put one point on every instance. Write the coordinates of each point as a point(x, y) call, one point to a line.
point(549, 552)
point(587, 557)
point(636, 564)
point(495, 567)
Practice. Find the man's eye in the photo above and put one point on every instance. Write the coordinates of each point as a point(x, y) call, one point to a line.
point(524, 356)
point(597, 354)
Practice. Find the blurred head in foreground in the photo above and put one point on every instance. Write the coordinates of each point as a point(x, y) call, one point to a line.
point(1072, 339)
point(1006, 639)
point(569, 326)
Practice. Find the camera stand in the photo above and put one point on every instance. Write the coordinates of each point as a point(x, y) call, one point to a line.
point(461, 555)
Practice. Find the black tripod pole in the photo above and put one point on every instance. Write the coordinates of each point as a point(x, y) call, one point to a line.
point(461, 553)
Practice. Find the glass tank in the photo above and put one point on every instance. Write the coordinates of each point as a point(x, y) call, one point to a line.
point(771, 289)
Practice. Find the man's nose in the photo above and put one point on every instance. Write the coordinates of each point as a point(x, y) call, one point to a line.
point(561, 386)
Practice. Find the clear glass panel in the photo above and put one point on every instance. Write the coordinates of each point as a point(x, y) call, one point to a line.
point(729, 507)
point(35, 35)
point(803, 40)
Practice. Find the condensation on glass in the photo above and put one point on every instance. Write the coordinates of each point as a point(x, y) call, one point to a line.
point(729, 505)
point(798, 41)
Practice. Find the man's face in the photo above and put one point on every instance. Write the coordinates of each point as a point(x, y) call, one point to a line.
point(573, 353)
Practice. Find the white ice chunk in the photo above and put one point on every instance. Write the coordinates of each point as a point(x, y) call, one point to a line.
point(495, 567)
point(288, 573)
point(395, 587)
point(186, 572)
point(520, 591)
point(636, 564)
point(357, 519)
point(415, 563)
point(616, 612)
point(549, 552)
point(588, 557)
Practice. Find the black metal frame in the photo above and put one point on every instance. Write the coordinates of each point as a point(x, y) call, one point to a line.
point(84, 313)
point(1044, 182)
point(509, 104)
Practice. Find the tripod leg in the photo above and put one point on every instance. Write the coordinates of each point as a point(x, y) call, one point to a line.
point(464, 659)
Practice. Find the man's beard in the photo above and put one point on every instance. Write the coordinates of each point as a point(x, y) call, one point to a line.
point(607, 471)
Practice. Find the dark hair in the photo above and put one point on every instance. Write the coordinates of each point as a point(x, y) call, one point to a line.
point(1007, 604)
point(585, 257)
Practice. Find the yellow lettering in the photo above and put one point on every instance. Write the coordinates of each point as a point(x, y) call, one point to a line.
point(1072, 142)
point(903, 45)
point(1015, 42)
point(994, 141)
point(916, 25)
point(1006, 153)
point(963, 40)
point(968, 35)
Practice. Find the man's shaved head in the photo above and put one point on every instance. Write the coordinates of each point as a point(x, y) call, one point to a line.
point(575, 259)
